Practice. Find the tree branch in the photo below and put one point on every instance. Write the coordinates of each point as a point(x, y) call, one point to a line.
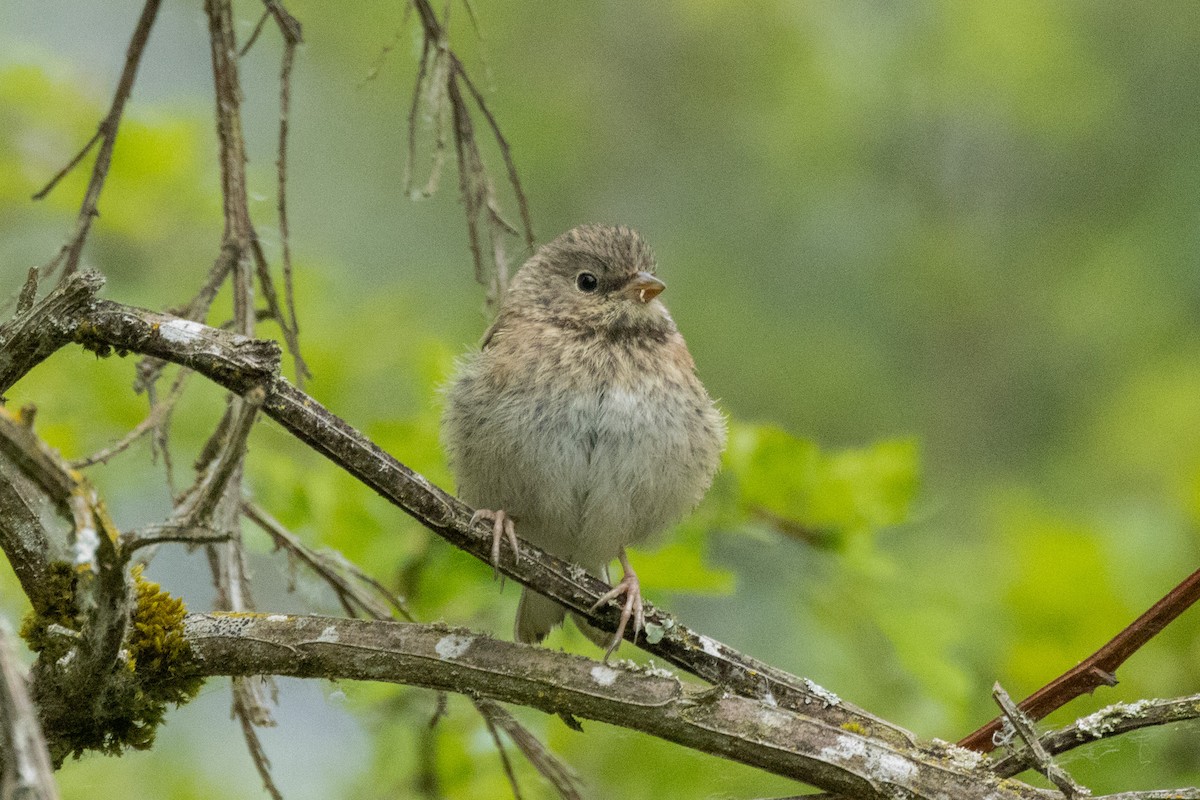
point(437, 657)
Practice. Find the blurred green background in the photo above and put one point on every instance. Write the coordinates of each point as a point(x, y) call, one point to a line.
point(938, 260)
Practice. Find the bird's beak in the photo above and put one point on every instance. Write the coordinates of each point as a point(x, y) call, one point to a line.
point(644, 287)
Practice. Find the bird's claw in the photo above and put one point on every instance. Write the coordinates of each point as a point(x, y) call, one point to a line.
point(502, 528)
point(631, 609)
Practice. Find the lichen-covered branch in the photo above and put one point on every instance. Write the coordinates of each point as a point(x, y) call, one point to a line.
point(1106, 723)
point(714, 721)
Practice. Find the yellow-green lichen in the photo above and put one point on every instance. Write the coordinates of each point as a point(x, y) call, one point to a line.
point(54, 604)
point(124, 709)
point(158, 651)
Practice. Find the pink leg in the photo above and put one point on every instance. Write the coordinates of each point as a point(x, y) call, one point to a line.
point(502, 528)
point(631, 609)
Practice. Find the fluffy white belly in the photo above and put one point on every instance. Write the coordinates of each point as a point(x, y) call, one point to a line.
point(584, 476)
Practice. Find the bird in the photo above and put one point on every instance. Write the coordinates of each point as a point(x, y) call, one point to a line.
point(580, 422)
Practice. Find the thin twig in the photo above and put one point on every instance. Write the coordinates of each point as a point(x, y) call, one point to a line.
point(258, 27)
point(290, 324)
point(486, 711)
point(439, 73)
point(328, 569)
point(160, 412)
point(257, 753)
point(1042, 761)
point(42, 193)
point(28, 292)
point(154, 535)
point(548, 765)
point(68, 256)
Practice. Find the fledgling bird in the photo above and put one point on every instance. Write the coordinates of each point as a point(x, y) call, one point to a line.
point(581, 419)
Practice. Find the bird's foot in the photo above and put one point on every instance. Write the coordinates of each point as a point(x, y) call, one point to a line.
point(631, 609)
point(502, 528)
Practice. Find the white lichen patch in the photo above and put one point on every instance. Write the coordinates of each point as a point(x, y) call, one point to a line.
point(453, 646)
point(276, 618)
point(330, 634)
point(709, 646)
point(604, 676)
point(881, 767)
point(955, 756)
point(658, 672)
point(180, 331)
point(1105, 720)
point(87, 542)
point(827, 697)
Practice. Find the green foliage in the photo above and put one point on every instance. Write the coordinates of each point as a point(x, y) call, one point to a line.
point(828, 499)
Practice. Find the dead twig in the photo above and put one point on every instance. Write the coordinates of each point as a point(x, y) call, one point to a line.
point(1042, 761)
point(329, 568)
point(106, 135)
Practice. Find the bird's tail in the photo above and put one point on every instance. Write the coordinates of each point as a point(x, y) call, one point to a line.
point(537, 616)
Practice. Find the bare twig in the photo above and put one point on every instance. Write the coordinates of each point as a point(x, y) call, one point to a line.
point(42, 193)
point(290, 28)
point(552, 768)
point(378, 605)
point(25, 769)
point(1042, 761)
point(28, 292)
point(219, 474)
point(487, 712)
point(258, 28)
point(160, 412)
point(68, 256)
point(154, 535)
point(1098, 669)
point(257, 754)
point(427, 780)
point(438, 83)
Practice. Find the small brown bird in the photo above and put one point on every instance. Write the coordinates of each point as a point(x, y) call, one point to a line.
point(581, 419)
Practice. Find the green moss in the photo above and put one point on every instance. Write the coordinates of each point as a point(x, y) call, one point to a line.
point(124, 711)
point(158, 651)
point(53, 605)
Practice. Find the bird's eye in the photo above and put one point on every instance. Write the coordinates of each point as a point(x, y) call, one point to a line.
point(586, 281)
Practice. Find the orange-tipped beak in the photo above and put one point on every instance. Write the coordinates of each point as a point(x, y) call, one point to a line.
point(644, 287)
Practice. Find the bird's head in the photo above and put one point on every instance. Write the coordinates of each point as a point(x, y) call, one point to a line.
point(593, 277)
